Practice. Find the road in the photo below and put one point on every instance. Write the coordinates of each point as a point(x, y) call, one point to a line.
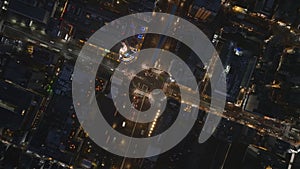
point(263, 124)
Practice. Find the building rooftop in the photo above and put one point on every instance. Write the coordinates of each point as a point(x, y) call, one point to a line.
point(212, 5)
point(35, 13)
point(13, 101)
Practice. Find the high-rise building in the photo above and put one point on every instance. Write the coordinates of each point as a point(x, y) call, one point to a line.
point(204, 10)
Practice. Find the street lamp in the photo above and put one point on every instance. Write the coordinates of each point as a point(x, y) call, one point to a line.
point(293, 152)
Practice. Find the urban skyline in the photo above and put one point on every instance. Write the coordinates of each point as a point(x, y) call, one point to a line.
point(257, 42)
